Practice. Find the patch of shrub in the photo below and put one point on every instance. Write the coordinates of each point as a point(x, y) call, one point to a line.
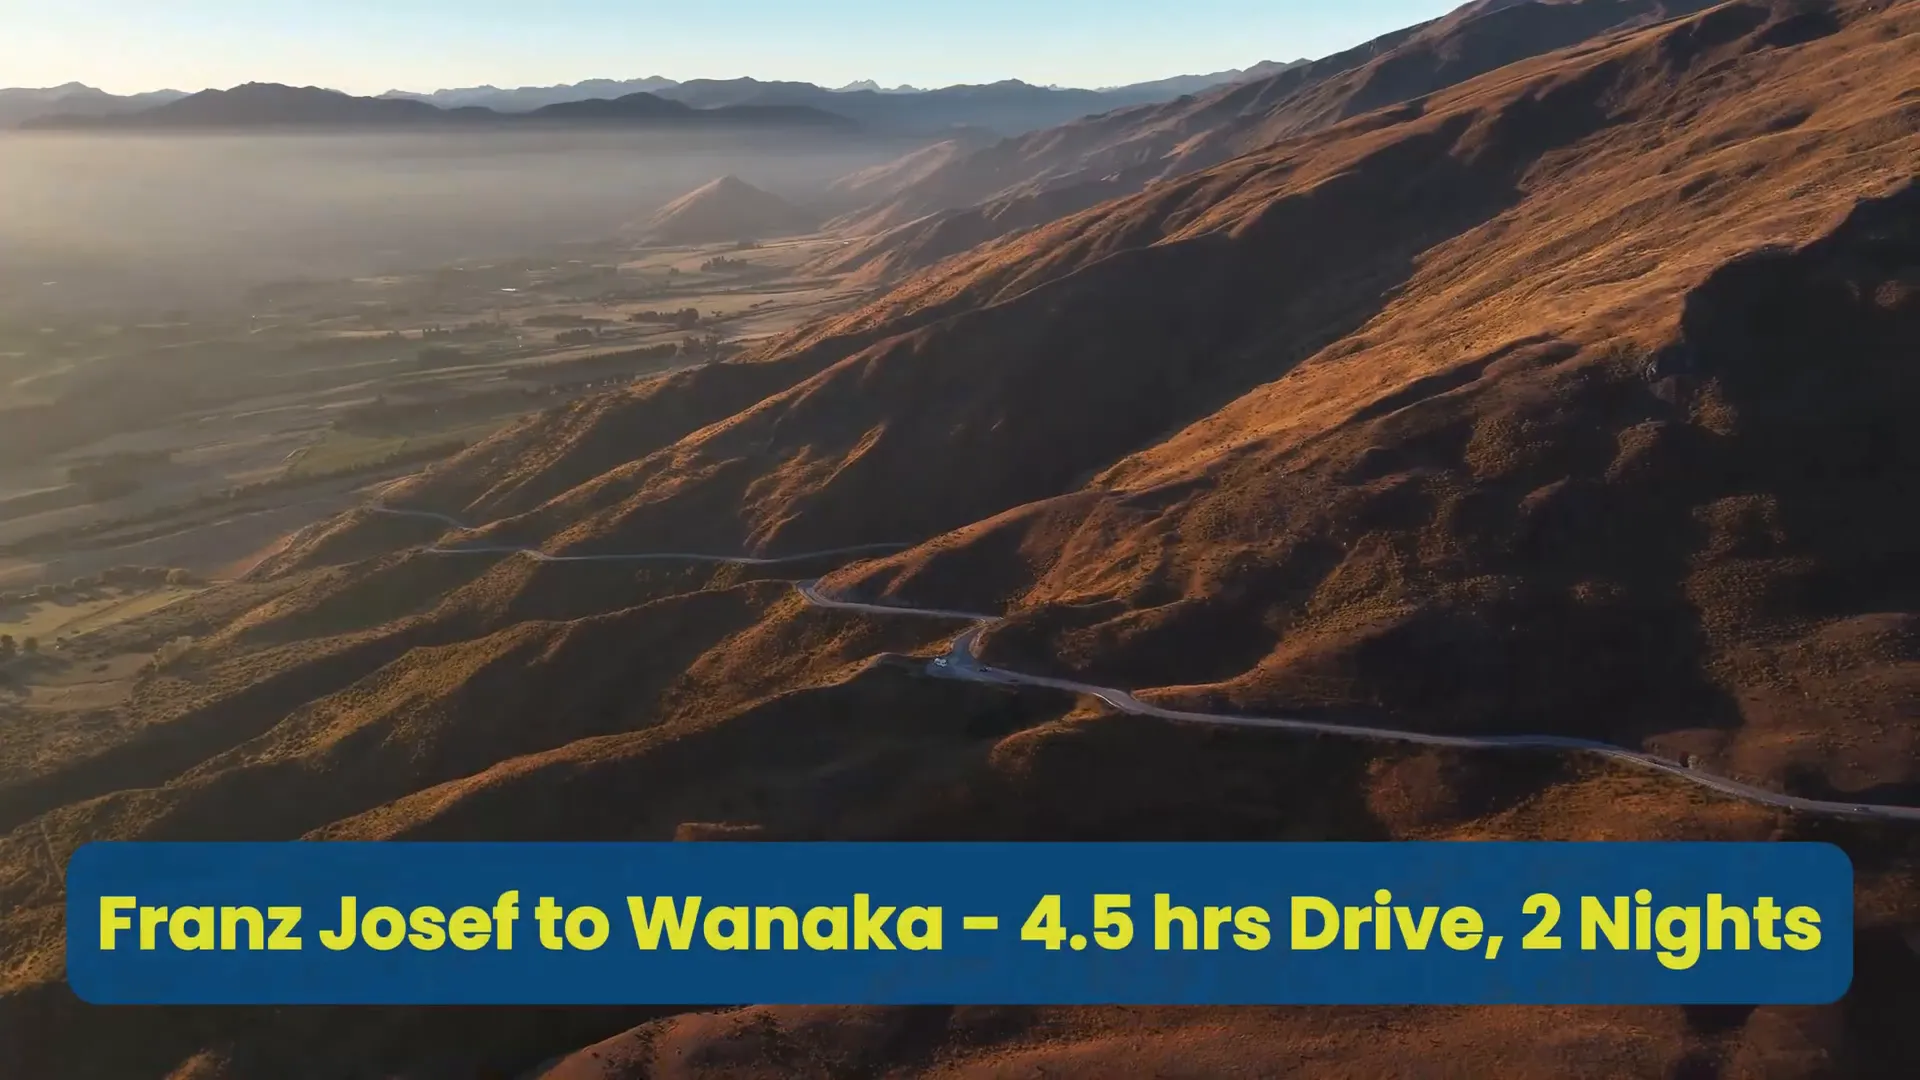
point(170, 652)
point(684, 319)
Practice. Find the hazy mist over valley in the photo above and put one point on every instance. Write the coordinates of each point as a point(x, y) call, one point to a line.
point(173, 219)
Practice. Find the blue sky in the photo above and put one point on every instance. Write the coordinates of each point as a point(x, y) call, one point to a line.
point(366, 46)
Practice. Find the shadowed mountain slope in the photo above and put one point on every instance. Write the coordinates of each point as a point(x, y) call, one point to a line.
point(884, 181)
point(1039, 177)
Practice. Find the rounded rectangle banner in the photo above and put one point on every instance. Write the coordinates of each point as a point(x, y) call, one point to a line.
point(1000, 923)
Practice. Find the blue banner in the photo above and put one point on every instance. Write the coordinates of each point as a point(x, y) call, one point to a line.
point(843, 923)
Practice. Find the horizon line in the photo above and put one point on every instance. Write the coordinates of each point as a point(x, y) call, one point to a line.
point(912, 87)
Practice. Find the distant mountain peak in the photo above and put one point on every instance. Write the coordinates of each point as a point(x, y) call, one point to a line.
point(53, 93)
point(726, 208)
point(872, 87)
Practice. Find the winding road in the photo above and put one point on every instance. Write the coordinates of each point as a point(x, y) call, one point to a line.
point(962, 663)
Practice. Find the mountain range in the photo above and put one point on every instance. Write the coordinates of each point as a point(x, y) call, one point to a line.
point(1545, 370)
point(753, 91)
point(18, 105)
point(528, 98)
point(1009, 107)
point(261, 105)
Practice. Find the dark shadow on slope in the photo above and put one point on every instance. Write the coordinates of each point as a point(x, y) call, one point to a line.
point(1815, 21)
point(1819, 352)
point(1879, 1008)
point(1600, 628)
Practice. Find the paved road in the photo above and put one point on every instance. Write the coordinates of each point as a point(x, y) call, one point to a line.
point(962, 662)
